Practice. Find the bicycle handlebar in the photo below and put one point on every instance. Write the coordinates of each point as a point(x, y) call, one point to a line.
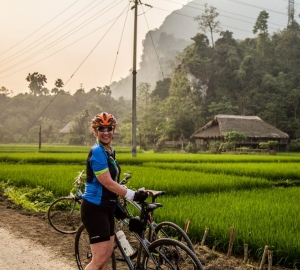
point(153, 193)
point(125, 179)
point(78, 179)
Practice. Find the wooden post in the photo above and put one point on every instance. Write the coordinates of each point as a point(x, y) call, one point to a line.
point(230, 242)
point(187, 225)
point(263, 258)
point(40, 137)
point(245, 253)
point(270, 261)
point(204, 236)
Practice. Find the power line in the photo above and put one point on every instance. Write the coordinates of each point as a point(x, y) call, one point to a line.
point(153, 44)
point(116, 19)
point(38, 29)
point(119, 46)
point(45, 36)
point(60, 49)
point(58, 40)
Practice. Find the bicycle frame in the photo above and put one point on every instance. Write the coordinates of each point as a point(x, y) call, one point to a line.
point(151, 224)
point(143, 245)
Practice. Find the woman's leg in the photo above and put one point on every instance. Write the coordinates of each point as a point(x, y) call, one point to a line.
point(101, 253)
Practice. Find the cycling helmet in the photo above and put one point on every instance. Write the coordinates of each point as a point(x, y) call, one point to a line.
point(103, 119)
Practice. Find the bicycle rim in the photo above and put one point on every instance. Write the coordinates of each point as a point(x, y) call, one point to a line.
point(171, 254)
point(83, 253)
point(64, 215)
point(171, 230)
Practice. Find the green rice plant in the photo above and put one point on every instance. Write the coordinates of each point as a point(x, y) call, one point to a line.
point(15, 148)
point(56, 178)
point(47, 148)
point(52, 158)
point(205, 158)
point(176, 182)
point(271, 171)
point(78, 155)
point(260, 217)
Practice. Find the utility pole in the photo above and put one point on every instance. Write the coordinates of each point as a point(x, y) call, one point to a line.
point(134, 81)
point(291, 12)
point(40, 138)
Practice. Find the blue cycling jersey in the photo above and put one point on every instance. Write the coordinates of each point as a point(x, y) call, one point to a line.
point(98, 162)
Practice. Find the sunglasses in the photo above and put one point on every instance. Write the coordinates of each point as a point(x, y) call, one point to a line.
point(105, 129)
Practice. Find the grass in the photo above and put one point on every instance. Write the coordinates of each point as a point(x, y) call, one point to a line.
point(215, 191)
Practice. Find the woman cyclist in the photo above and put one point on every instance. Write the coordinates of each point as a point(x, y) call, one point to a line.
point(101, 191)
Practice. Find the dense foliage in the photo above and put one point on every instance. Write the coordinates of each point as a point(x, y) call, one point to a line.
point(256, 76)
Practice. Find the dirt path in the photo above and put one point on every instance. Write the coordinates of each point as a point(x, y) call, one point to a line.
point(13, 249)
point(29, 242)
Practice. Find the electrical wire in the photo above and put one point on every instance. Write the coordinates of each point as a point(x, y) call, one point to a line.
point(55, 96)
point(60, 26)
point(119, 46)
point(60, 49)
point(61, 38)
point(98, 43)
point(39, 28)
point(153, 44)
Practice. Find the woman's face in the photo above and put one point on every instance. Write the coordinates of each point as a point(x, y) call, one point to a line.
point(105, 134)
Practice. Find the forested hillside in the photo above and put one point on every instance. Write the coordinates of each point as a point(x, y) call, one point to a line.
point(258, 76)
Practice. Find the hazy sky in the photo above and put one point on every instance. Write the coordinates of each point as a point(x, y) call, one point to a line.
point(90, 42)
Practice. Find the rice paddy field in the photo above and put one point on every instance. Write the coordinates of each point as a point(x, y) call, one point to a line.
point(257, 195)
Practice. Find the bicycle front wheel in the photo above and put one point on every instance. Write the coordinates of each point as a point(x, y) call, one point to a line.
point(171, 230)
point(171, 254)
point(83, 251)
point(64, 215)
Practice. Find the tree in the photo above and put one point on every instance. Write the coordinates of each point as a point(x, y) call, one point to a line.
point(261, 26)
point(58, 85)
point(223, 107)
point(36, 83)
point(294, 99)
point(5, 91)
point(79, 131)
point(207, 21)
point(162, 88)
point(234, 137)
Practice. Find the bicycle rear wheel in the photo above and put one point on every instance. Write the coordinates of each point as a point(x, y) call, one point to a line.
point(171, 230)
point(64, 215)
point(83, 251)
point(171, 254)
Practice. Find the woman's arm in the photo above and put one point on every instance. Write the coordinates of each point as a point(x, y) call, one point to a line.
point(106, 180)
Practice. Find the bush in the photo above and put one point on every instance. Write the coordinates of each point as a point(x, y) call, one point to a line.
point(76, 139)
point(294, 146)
point(191, 148)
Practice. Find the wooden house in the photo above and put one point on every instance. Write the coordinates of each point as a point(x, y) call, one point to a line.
point(253, 127)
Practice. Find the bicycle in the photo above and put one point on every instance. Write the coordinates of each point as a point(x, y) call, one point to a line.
point(164, 229)
point(164, 253)
point(64, 213)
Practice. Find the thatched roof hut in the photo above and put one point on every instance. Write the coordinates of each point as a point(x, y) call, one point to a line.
point(254, 127)
point(66, 129)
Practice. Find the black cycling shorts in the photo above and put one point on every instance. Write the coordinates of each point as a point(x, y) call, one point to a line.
point(98, 220)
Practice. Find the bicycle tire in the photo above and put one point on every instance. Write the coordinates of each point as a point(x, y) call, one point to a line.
point(83, 253)
point(171, 230)
point(64, 215)
point(164, 229)
point(171, 254)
